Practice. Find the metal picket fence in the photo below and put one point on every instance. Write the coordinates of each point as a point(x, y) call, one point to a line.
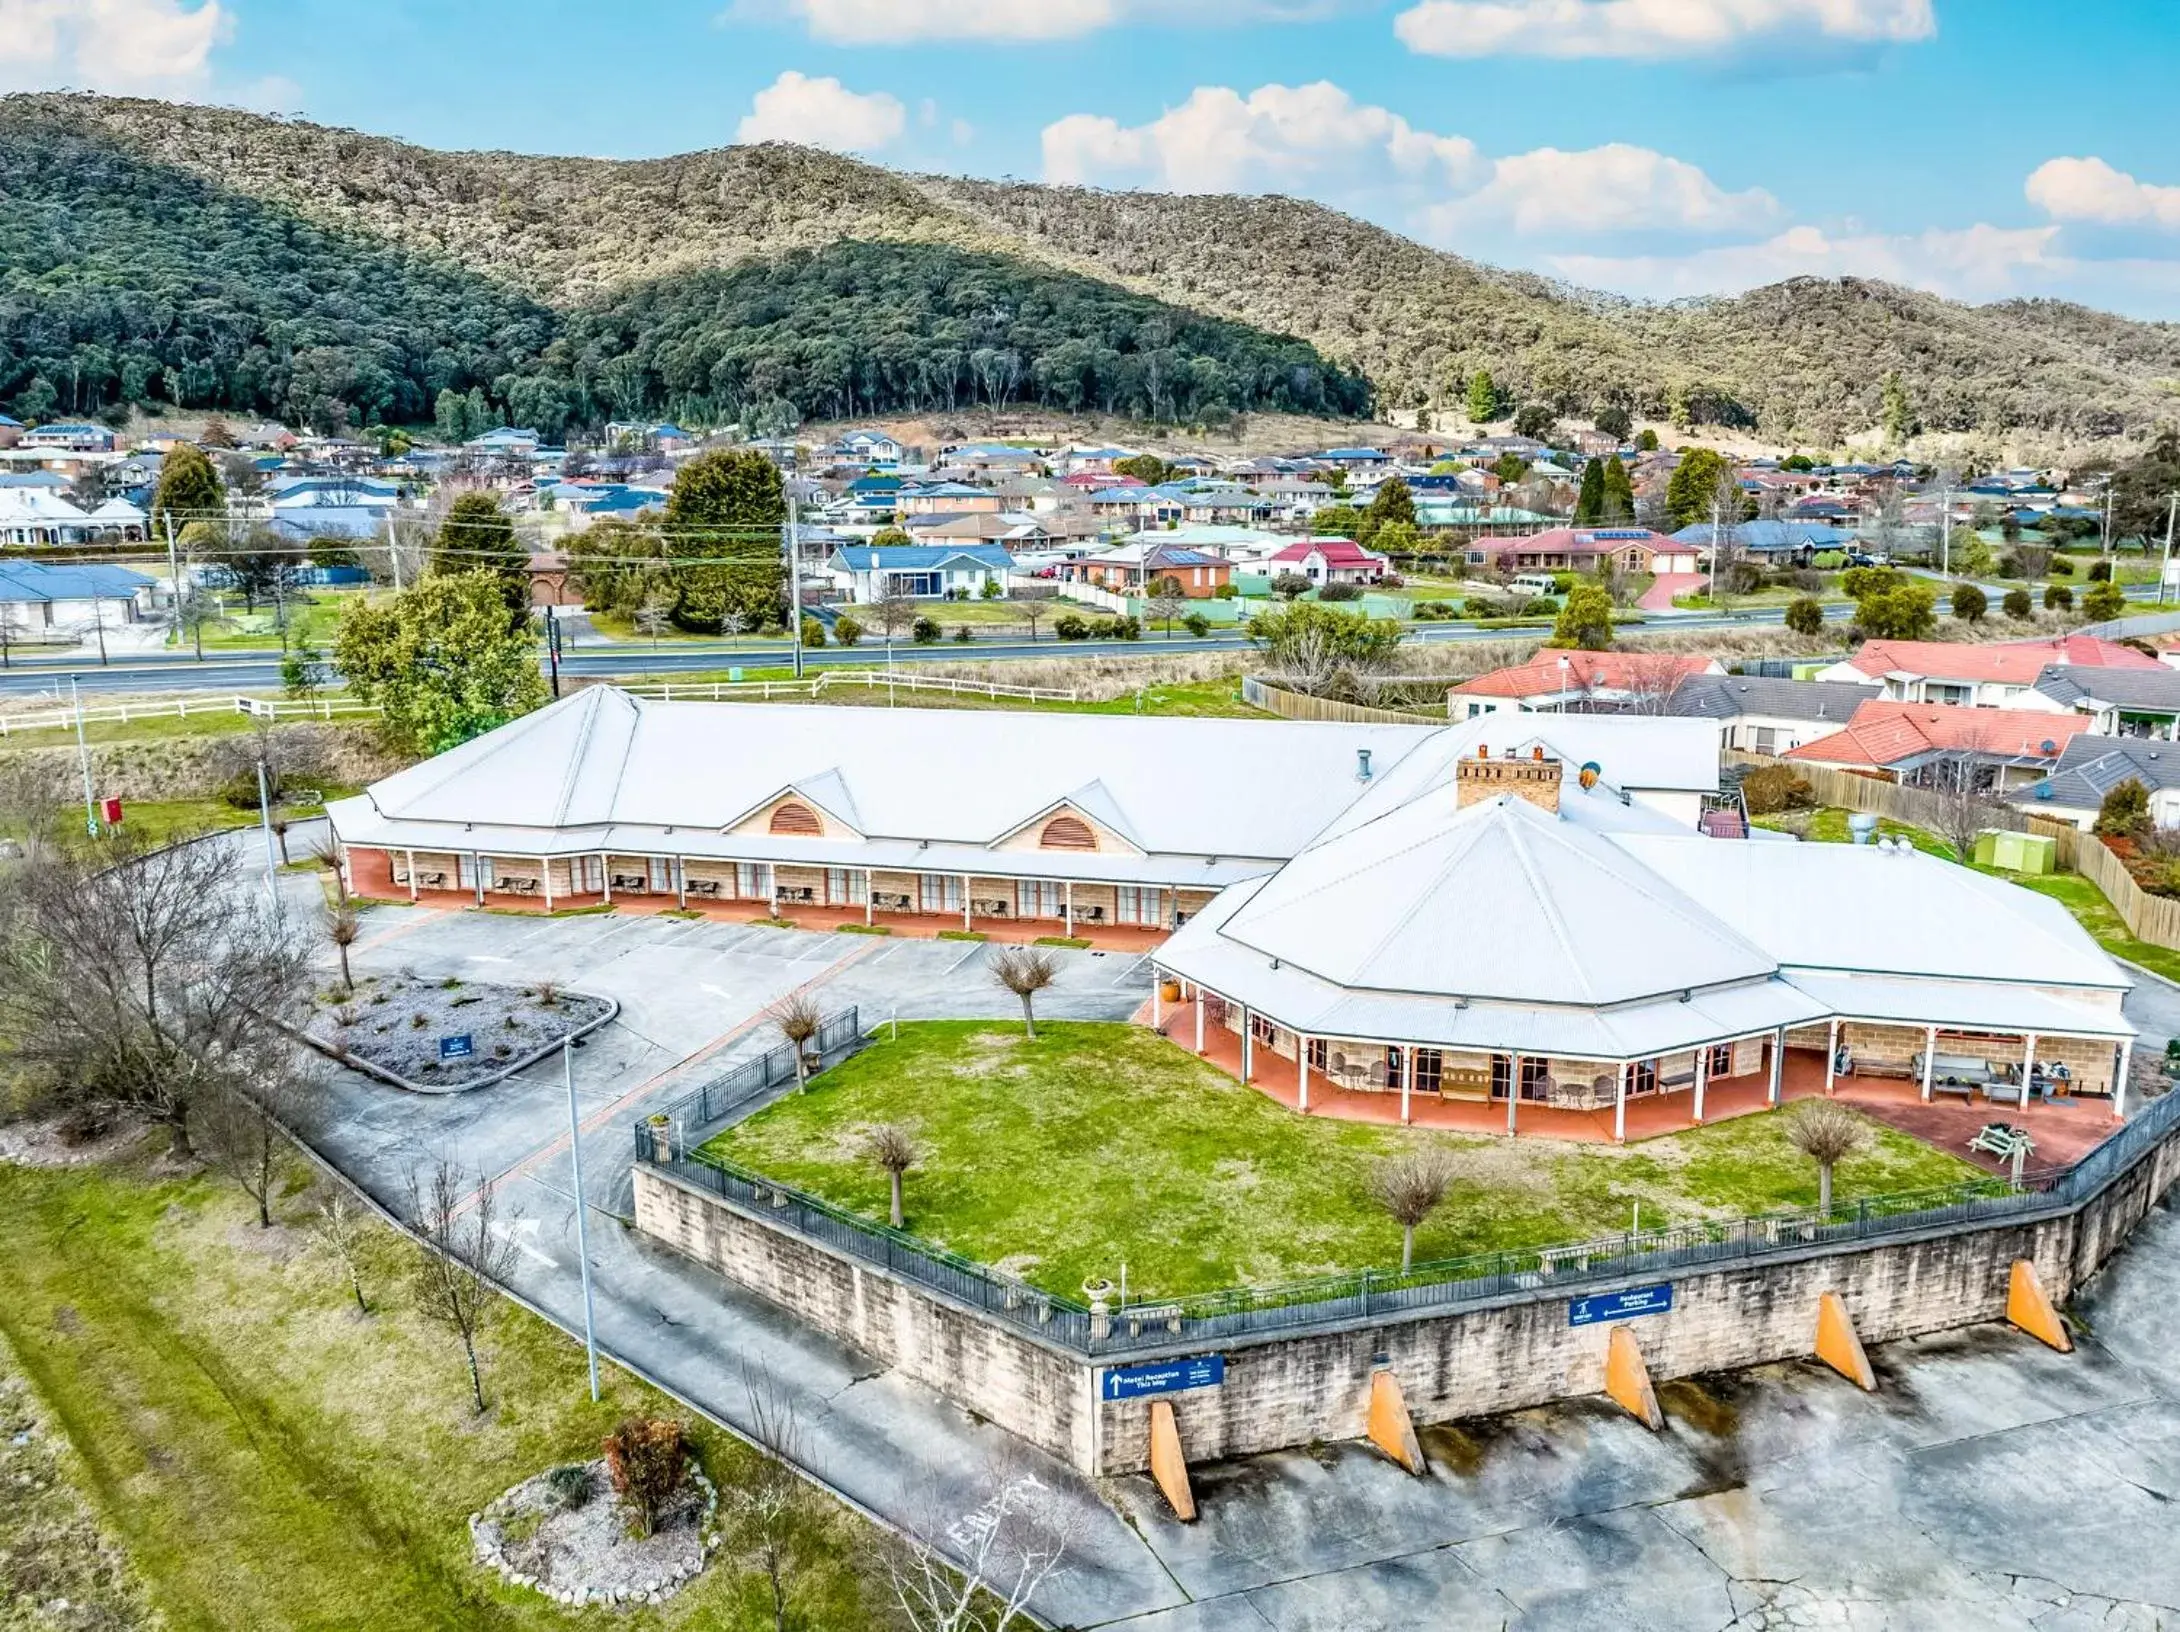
point(695, 1113)
point(1334, 1300)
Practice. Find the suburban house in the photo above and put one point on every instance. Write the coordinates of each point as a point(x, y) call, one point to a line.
point(873, 572)
point(946, 499)
point(1638, 977)
point(1758, 715)
point(69, 438)
point(1583, 549)
point(2092, 766)
point(1557, 682)
point(1329, 561)
point(1918, 743)
point(868, 448)
point(1773, 542)
point(33, 515)
point(2121, 702)
point(37, 600)
point(1131, 568)
point(1996, 676)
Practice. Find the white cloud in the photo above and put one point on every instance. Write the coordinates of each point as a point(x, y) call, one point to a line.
point(822, 113)
point(1278, 138)
point(110, 45)
point(1653, 28)
point(1614, 188)
point(888, 22)
point(2091, 190)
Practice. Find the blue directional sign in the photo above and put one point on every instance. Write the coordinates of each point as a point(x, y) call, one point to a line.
point(457, 1048)
point(1640, 1300)
point(1164, 1377)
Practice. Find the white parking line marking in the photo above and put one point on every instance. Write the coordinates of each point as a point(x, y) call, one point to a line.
point(520, 1232)
point(1128, 974)
point(973, 952)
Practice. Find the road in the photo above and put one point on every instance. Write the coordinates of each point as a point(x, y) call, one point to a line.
point(261, 671)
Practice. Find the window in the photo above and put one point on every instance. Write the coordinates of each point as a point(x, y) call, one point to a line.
point(465, 871)
point(1721, 1062)
point(1262, 1030)
point(1067, 833)
point(844, 886)
point(1319, 1054)
point(1502, 1076)
point(1040, 898)
point(1535, 1074)
point(752, 880)
point(1392, 1069)
point(1133, 905)
point(940, 892)
point(594, 875)
point(797, 821)
point(1643, 1078)
point(1430, 1070)
point(662, 875)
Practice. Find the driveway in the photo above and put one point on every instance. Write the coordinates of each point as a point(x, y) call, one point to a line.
point(1990, 1484)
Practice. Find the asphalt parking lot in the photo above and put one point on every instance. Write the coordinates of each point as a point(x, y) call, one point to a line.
point(1990, 1483)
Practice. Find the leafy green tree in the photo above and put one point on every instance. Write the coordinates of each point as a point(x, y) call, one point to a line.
point(2142, 489)
point(2125, 811)
point(1305, 634)
point(2018, 605)
point(1510, 468)
point(476, 535)
point(1535, 419)
point(887, 538)
point(1971, 555)
point(1392, 502)
point(189, 490)
point(1898, 415)
point(726, 511)
point(2058, 598)
point(1339, 521)
point(1613, 420)
point(1970, 604)
point(1146, 468)
point(1805, 614)
point(1589, 504)
point(1646, 441)
point(1585, 619)
point(1483, 398)
point(1692, 491)
point(2104, 602)
point(441, 661)
point(1619, 501)
point(1904, 612)
point(1401, 540)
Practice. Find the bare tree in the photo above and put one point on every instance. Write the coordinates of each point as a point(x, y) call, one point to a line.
point(326, 852)
point(1167, 601)
point(1033, 613)
point(768, 1502)
point(246, 1123)
point(468, 1250)
point(1411, 1187)
point(798, 1018)
point(1826, 1132)
point(654, 617)
point(1963, 803)
point(341, 1227)
point(1025, 971)
point(1652, 678)
point(342, 926)
point(894, 614)
point(978, 1571)
point(895, 1150)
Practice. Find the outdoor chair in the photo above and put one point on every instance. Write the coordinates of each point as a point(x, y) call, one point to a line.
point(703, 886)
point(2006, 1093)
point(635, 883)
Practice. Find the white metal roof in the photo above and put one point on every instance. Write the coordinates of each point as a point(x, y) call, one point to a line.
point(1501, 900)
point(1232, 789)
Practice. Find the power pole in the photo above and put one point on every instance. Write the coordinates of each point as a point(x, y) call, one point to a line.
point(174, 577)
point(582, 1221)
point(2172, 510)
point(264, 817)
point(794, 566)
point(83, 758)
point(1945, 537)
point(552, 649)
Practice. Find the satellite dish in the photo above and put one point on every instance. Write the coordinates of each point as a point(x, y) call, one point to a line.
point(2048, 746)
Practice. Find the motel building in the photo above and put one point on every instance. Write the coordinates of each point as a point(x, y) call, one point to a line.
point(1507, 925)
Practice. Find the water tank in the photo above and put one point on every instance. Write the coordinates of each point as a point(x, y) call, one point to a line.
point(1861, 826)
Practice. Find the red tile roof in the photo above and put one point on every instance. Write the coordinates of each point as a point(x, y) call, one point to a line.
point(1586, 671)
point(1881, 733)
point(1338, 552)
point(2013, 662)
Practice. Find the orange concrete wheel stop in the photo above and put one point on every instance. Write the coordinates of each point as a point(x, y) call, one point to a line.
point(1168, 1466)
point(1838, 1344)
point(1390, 1429)
point(2028, 1308)
point(1627, 1379)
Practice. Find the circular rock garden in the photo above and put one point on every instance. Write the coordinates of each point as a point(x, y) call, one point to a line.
point(567, 1534)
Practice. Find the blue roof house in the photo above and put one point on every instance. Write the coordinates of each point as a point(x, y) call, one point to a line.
point(872, 572)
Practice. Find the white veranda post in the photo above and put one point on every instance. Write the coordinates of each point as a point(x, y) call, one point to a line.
point(2119, 1083)
point(1831, 1057)
point(1930, 1059)
point(1302, 1069)
point(1248, 1044)
point(1619, 1107)
point(1778, 1064)
point(1703, 1076)
point(1394, 1058)
point(1198, 992)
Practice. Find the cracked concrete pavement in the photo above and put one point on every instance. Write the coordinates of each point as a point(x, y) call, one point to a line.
point(1990, 1483)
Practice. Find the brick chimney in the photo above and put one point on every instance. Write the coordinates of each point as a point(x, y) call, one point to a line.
point(1534, 778)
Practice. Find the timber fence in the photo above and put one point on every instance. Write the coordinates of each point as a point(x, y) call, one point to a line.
point(1296, 705)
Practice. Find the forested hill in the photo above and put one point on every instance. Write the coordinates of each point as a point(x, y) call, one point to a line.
point(308, 268)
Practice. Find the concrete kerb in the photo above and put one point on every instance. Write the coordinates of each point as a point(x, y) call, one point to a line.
point(356, 1062)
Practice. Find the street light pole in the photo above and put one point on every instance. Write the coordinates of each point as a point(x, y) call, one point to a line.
point(83, 758)
point(582, 1222)
point(264, 818)
point(794, 567)
point(2172, 509)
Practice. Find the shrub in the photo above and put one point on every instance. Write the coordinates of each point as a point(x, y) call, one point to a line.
point(1477, 606)
point(1805, 616)
point(2125, 811)
point(2061, 567)
point(1225, 592)
point(1196, 624)
point(847, 631)
point(1743, 577)
point(813, 632)
point(925, 631)
point(1770, 789)
point(1391, 580)
point(1071, 627)
point(2100, 572)
point(647, 1458)
point(2104, 602)
point(962, 637)
point(1542, 607)
point(1828, 560)
point(1340, 592)
point(1431, 611)
point(2018, 605)
point(1862, 582)
point(1970, 603)
point(1563, 583)
point(2058, 598)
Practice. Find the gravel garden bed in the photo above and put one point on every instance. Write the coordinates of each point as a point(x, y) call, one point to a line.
point(392, 1026)
point(564, 1534)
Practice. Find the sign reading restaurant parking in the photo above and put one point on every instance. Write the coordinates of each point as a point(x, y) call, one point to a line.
point(1641, 1300)
point(457, 1048)
point(1165, 1377)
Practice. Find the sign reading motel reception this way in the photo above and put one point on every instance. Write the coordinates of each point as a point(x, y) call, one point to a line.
point(1164, 1377)
point(1639, 1300)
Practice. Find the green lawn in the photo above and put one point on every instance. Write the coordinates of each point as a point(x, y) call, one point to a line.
point(268, 1457)
point(310, 622)
point(1098, 1145)
point(1215, 697)
point(162, 821)
point(150, 726)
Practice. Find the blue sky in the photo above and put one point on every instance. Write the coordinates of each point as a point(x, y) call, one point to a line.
point(1981, 148)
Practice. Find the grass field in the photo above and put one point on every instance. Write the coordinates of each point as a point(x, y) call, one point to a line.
point(269, 1457)
point(1098, 1145)
point(311, 622)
